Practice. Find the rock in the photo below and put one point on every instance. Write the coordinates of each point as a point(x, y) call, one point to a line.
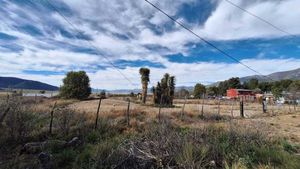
point(45, 160)
point(75, 142)
point(212, 163)
point(54, 144)
point(32, 148)
point(37, 147)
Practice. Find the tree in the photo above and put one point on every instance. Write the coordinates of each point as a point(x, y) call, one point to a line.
point(265, 86)
point(76, 85)
point(199, 90)
point(182, 93)
point(222, 87)
point(234, 82)
point(213, 91)
point(144, 72)
point(164, 92)
point(252, 84)
point(172, 89)
point(102, 94)
point(294, 90)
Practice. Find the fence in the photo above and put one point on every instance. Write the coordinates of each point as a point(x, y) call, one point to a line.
point(202, 108)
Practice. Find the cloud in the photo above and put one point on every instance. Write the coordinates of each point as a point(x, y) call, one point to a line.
point(228, 22)
point(132, 34)
point(186, 74)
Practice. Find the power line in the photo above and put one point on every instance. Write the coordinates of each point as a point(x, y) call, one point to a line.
point(96, 49)
point(259, 18)
point(206, 41)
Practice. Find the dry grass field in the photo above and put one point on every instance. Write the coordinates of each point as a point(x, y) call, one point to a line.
point(218, 139)
point(282, 120)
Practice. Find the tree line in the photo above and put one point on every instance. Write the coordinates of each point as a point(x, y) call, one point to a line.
point(77, 85)
point(277, 88)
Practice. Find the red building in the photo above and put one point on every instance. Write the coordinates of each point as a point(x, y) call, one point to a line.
point(241, 93)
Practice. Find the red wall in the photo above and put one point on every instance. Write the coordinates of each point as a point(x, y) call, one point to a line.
point(232, 93)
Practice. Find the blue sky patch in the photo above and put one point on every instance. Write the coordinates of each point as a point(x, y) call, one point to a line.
point(4, 36)
point(43, 72)
point(196, 12)
point(29, 29)
point(137, 63)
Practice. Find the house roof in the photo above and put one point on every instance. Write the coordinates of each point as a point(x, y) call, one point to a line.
point(242, 90)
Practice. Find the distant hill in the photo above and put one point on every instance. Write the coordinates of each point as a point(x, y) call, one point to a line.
point(277, 76)
point(127, 91)
point(17, 83)
point(292, 74)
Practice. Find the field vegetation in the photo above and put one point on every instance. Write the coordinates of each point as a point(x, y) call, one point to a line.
point(190, 142)
point(83, 131)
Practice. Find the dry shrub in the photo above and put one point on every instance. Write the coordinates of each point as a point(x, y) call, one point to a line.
point(19, 121)
point(168, 146)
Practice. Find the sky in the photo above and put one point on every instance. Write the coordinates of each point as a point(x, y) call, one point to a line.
point(38, 43)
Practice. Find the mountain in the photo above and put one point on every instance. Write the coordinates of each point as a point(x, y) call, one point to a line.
point(17, 83)
point(127, 91)
point(291, 74)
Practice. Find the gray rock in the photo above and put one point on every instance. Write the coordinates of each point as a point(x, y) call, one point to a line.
point(75, 142)
point(45, 160)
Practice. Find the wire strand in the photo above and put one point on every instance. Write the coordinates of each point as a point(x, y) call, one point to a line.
point(259, 18)
point(93, 46)
point(206, 41)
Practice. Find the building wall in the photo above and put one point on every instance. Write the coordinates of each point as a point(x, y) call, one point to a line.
point(244, 95)
point(232, 93)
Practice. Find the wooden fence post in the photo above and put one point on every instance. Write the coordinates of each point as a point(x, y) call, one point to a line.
point(98, 109)
point(219, 107)
point(231, 112)
point(127, 114)
point(182, 110)
point(4, 115)
point(242, 109)
point(272, 109)
point(202, 108)
point(51, 118)
point(264, 104)
point(7, 98)
point(159, 110)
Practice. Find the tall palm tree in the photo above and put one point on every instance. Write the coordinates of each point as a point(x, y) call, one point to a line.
point(145, 78)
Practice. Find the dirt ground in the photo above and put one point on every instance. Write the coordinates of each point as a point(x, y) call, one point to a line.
point(280, 120)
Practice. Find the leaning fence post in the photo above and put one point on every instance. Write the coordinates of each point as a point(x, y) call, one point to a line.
point(231, 112)
point(159, 109)
point(7, 98)
point(202, 108)
point(219, 106)
point(98, 109)
point(264, 104)
point(51, 118)
point(128, 111)
point(182, 111)
point(242, 109)
point(4, 115)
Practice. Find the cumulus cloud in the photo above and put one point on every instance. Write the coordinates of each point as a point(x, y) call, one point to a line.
point(228, 22)
point(134, 31)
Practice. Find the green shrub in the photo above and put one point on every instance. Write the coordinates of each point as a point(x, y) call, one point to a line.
point(289, 147)
point(76, 85)
point(65, 158)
